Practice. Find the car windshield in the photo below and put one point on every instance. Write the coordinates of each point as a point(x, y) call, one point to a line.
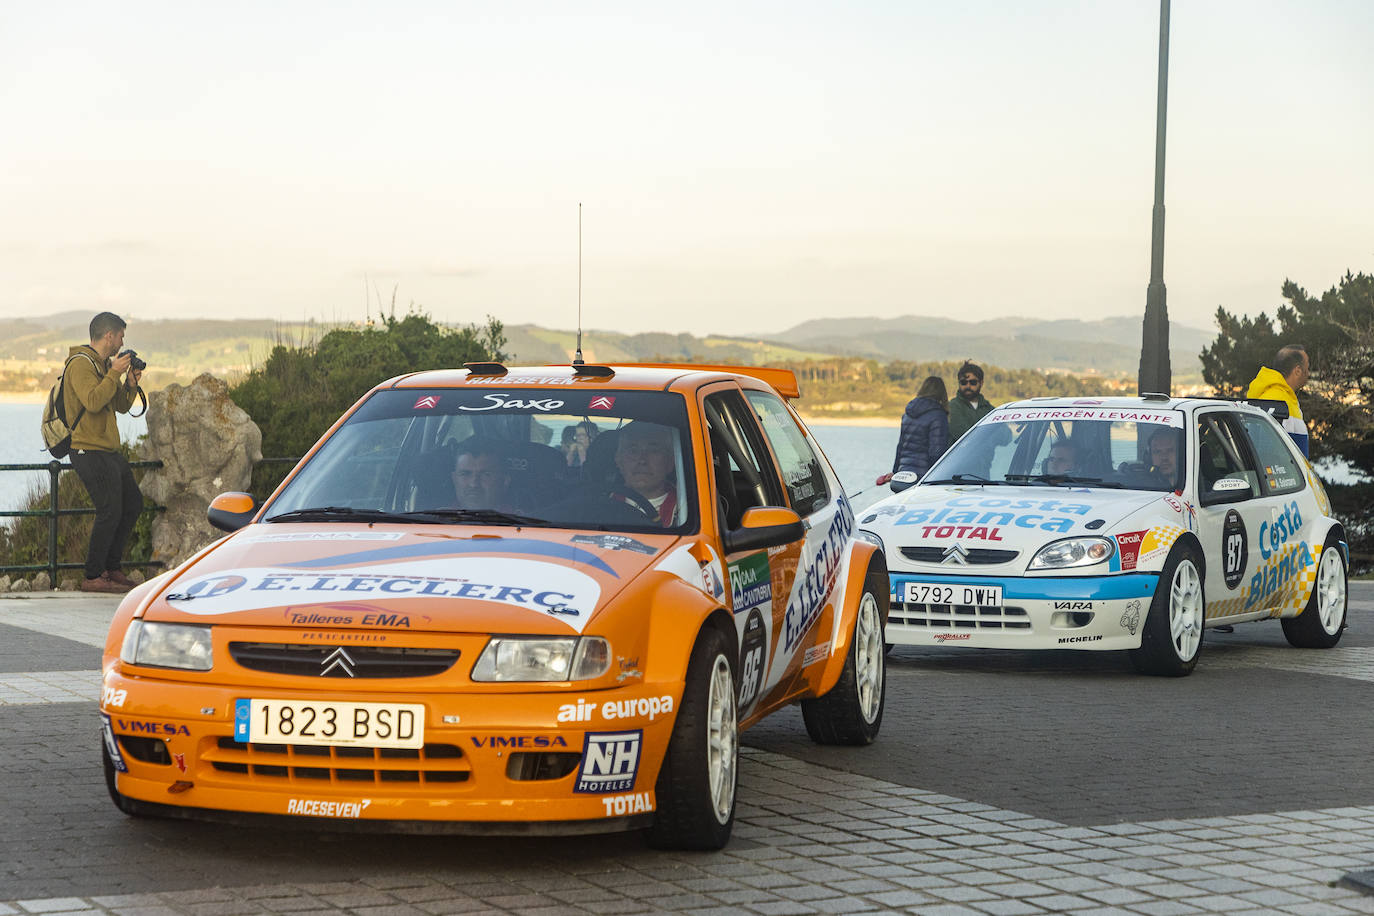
point(600, 459)
point(1118, 448)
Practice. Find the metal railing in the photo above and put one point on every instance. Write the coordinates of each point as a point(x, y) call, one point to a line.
point(53, 513)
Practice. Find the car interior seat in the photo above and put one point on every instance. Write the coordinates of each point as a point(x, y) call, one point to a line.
point(432, 480)
point(598, 470)
point(538, 473)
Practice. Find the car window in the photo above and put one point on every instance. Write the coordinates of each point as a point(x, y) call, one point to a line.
point(1224, 462)
point(603, 459)
point(800, 465)
point(1127, 448)
point(744, 479)
point(1281, 471)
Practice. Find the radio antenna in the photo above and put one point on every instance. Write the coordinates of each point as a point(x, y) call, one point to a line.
point(577, 359)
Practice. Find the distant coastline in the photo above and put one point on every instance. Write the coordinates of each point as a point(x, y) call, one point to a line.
point(23, 397)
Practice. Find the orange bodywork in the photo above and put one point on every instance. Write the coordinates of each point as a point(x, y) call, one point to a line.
point(491, 752)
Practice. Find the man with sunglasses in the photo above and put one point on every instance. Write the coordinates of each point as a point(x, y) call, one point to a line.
point(968, 406)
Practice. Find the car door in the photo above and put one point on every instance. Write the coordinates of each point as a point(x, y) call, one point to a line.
point(1229, 512)
point(758, 581)
point(1288, 536)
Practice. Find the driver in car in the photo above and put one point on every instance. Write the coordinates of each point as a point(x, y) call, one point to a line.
point(1063, 459)
point(480, 478)
point(644, 458)
point(1164, 455)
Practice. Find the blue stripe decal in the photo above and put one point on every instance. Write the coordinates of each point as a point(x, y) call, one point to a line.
point(1064, 588)
point(457, 548)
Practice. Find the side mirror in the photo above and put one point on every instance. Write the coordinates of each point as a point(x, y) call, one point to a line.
point(1226, 490)
point(903, 480)
point(764, 527)
point(231, 511)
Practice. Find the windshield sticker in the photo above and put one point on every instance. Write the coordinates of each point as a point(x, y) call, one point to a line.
point(601, 402)
point(507, 402)
point(949, 514)
point(613, 542)
point(543, 588)
point(751, 582)
point(323, 536)
point(1099, 414)
point(427, 402)
point(520, 380)
point(457, 548)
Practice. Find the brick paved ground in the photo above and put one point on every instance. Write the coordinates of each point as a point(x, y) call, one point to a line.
point(1003, 783)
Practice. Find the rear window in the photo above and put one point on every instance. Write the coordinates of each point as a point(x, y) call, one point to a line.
point(604, 459)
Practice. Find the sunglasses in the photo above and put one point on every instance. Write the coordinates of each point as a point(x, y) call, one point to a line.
point(969, 381)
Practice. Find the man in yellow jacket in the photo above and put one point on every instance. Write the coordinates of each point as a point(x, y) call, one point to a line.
point(95, 390)
point(1281, 383)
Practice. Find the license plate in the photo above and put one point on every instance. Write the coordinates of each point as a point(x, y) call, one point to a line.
point(329, 723)
point(933, 593)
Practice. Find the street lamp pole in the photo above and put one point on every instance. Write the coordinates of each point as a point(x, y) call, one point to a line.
point(1154, 346)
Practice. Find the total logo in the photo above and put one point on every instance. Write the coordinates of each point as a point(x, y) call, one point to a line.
point(621, 805)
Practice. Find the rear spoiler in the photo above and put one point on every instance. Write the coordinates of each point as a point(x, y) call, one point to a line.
point(783, 381)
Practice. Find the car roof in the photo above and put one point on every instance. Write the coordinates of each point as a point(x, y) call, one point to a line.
point(1156, 402)
point(643, 376)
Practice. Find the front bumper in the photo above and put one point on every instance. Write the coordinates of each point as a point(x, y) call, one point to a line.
point(1098, 613)
point(515, 759)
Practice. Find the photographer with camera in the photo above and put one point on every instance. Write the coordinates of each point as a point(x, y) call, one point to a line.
point(100, 381)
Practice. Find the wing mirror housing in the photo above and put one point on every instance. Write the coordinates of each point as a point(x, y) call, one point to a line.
point(231, 511)
point(1226, 490)
point(767, 526)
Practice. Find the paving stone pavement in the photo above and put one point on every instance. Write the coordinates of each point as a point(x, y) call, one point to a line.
point(813, 836)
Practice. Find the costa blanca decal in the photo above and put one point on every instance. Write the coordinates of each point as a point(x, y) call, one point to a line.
point(610, 761)
point(543, 588)
point(994, 513)
point(1235, 549)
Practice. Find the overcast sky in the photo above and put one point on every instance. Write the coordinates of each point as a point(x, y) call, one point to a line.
point(743, 166)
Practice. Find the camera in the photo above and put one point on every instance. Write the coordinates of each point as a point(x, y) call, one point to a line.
point(135, 363)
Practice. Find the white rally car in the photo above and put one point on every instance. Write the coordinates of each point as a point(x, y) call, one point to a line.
point(1108, 524)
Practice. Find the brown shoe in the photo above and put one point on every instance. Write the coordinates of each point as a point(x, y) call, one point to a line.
point(102, 584)
point(117, 576)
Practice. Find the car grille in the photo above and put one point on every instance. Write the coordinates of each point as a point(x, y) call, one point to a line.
point(432, 763)
point(976, 556)
point(362, 661)
point(959, 616)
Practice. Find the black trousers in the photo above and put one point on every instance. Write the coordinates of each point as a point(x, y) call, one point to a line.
point(117, 500)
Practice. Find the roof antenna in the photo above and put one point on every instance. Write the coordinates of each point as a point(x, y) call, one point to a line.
point(577, 359)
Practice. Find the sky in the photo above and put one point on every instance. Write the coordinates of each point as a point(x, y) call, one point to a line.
point(741, 166)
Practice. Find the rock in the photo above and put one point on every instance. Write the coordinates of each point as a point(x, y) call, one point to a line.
point(4, 583)
point(68, 584)
point(19, 585)
point(207, 445)
point(41, 582)
point(137, 577)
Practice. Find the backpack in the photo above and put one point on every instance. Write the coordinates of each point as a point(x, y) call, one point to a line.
point(57, 433)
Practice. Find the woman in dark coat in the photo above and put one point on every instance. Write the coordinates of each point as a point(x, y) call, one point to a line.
point(925, 430)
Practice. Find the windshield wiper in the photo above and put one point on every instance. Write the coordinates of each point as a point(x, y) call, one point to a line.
point(1055, 480)
point(340, 513)
point(482, 516)
point(968, 478)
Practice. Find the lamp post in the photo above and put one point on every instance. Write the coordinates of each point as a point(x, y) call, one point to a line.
point(1154, 345)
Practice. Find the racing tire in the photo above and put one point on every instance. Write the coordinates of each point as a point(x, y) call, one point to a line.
point(122, 801)
point(1171, 639)
point(1319, 624)
point(695, 792)
point(851, 712)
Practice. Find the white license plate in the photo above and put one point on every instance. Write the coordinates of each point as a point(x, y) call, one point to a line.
point(934, 593)
point(329, 723)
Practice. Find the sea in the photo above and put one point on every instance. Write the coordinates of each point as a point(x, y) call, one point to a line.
point(21, 443)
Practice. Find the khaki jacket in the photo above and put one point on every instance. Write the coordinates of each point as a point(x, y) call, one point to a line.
point(90, 385)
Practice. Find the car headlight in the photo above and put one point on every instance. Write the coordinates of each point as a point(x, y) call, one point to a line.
point(167, 645)
point(869, 537)
point(1072, 552)
point(541, 658)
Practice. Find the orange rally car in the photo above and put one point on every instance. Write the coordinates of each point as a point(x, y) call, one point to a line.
point(507, 600)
